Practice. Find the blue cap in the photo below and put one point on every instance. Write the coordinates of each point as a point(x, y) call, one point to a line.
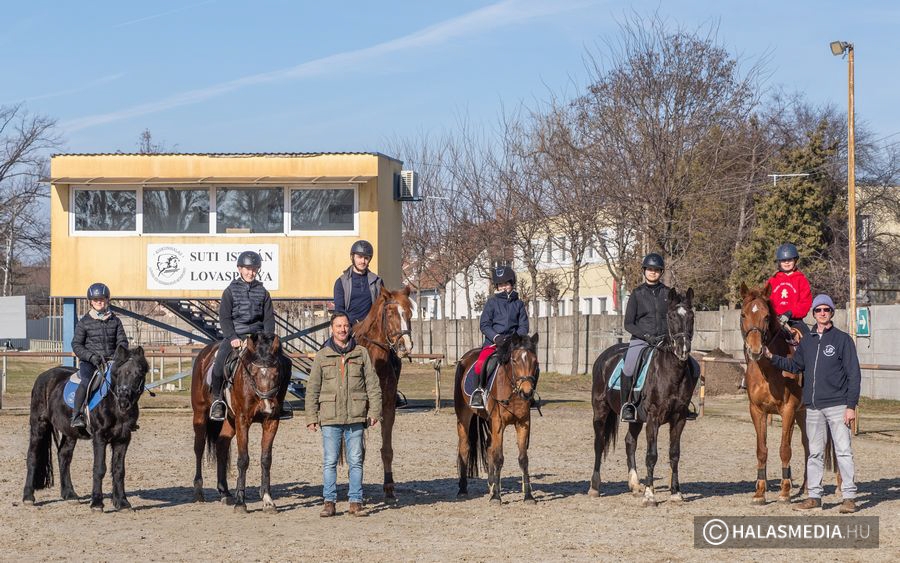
point(822, 299)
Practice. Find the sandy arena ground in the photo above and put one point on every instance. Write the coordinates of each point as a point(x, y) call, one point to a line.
point(717, 469)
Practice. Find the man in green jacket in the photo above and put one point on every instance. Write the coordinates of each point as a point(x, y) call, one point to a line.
point(343, 395)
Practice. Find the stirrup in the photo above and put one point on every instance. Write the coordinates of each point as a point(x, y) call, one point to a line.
point(479, 402)
point(287, 411)
point(212, 408)
point(78, 421)
point(632, 410)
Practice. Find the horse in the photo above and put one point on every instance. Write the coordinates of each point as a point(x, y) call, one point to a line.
point(384, 332)
point(110, 424)
point(508, 402)
point(666, 398)
point(769, 389)
point(260, 381)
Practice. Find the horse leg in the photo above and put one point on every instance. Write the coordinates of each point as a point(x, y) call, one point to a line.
point(652, 433)
point(241, 432)
point(99, 473)
point(38, 459)
point(495, 458)
point(594, 488)
point(523, 435)
point(800, 419)
point(787, 431)
point(119, 448)
point(66, 449)
point(388, 414)
point(199, 445)
point(462, 456)
point(223, 450)
point(634, 430)
point(762, 453)
point(270, 428)
point(675, 431)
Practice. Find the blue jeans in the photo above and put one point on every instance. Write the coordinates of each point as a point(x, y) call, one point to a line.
point(352, 435)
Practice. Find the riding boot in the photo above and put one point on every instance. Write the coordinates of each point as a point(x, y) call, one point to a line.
point(217, 409)
point(477, 401)
point(629, 413)
point(78, 408)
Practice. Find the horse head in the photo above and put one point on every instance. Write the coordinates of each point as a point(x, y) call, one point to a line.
point(129, 376)
point(680, 317)
point(395, 310)
point(758, 320)
point(520, 353)
point(262, 366)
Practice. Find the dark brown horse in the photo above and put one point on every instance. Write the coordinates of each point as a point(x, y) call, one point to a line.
point(666, 400)
point(507, 403)
point(769, 389)
point(385, 332)
point(260, 381)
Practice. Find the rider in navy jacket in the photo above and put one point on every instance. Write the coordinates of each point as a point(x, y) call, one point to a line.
point(830, 369)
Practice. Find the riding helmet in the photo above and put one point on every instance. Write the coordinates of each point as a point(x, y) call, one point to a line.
point(249, 259)
point(653, 260)
point(98, 291)
point(503, 274)
point(363, 248)
point(786, 251)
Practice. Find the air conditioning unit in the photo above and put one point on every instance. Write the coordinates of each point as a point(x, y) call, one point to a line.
point(406, 186)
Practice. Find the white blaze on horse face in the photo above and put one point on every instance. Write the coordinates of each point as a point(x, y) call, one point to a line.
point(407, 341)
point(682, 311)
point(755, 308)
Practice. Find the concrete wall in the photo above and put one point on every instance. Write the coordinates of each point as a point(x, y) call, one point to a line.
point(712, 329)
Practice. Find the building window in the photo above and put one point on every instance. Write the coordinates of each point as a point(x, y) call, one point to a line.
point(105, 210)
point(175, 211)
point(316, 209)
point(249, 210)
point(602, 306)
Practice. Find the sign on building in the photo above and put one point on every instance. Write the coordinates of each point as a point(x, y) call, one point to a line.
point(12, 317)
point(863, 324)
point(205, 266)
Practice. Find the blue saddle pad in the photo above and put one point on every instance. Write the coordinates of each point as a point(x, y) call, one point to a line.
point(470, 380)
point(642, 374)
point(95, 398)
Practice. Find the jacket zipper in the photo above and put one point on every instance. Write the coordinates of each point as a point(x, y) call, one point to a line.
point(816, 367)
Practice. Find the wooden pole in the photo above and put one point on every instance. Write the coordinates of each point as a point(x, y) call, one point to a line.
point(437, 386)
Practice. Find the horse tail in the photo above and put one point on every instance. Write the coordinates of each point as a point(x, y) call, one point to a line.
point(830, 456)
point(479, 442)
point(43, 457)
point(213, 429)
point(610, 432)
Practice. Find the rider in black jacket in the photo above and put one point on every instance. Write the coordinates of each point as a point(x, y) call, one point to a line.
point(645, 320)
point(97, 335)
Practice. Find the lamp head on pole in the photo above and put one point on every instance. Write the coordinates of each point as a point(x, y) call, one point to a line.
point(838, 48)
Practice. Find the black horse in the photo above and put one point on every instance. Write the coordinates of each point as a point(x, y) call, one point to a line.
point(110, 424)
point(666, 398)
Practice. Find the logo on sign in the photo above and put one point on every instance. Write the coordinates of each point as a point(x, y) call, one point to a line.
point(167, 265)
point(829, 350)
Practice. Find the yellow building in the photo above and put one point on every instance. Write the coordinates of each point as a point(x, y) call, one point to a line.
point(169, 226)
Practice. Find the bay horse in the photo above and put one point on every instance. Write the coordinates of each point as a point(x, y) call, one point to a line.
point(769, 389)
point(260, 381)
point(110, 424)
point(507, 402)
point(385, 332)
point(666, 399)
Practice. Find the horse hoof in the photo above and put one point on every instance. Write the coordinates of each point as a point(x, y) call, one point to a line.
point(649, 503)
point(97, 508)
point(496, 501)
point(530, 500)
point(460, 494)
point(125, 509)
point(391, 500)
point(593, 493)
point(28, 502)
point(784, 500)
point(240, 508)
point(676, 498)
point(758, 501)
point(198, 497)
point(227, 501)
point(271, 509)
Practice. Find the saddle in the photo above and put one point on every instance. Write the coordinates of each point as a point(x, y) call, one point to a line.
point(97, 389)
point(229, 369)
point(641, 369)
point(793, 337)
point(470, 379)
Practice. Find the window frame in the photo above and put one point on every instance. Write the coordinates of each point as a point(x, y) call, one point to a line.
point(138, 208)
point(210, 192)
point(288, 211)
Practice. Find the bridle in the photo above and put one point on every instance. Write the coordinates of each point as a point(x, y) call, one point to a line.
point(118, 391)
point(517, 381)
point(764, 333)
point(262, 368)
point(391, 341)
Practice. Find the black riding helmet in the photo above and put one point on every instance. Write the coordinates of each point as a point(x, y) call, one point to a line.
point(653, 260)
point(503, 274)
point(786, 251)
point(363, 248)
point(249, 259)
point(98, 291)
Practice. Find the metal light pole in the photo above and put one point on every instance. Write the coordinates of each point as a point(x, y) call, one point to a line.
point(839, 48)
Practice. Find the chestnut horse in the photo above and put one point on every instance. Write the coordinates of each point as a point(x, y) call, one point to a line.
point(507, 402)
point(386, 334)
point(770, 390)
point(260, 381)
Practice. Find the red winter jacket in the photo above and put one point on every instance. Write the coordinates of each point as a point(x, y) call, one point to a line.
point(791, 294)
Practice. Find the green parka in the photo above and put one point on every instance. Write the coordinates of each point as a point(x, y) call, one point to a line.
point(342, 389)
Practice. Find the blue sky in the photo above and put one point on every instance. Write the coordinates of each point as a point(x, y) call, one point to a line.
point(279, 75)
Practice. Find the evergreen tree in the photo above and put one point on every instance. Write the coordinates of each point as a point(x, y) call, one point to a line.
point(796, 210)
